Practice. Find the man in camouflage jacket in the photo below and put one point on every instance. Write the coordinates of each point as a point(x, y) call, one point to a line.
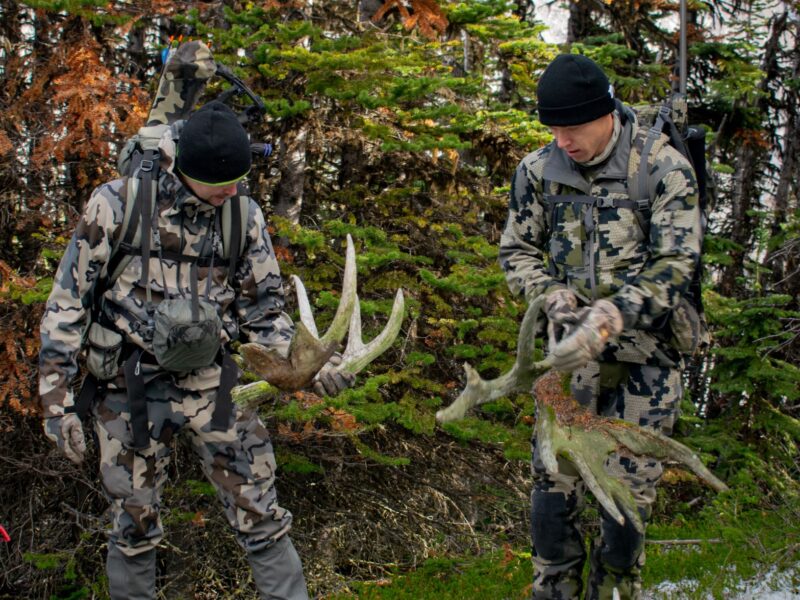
point(213, 156)
point(611, 281)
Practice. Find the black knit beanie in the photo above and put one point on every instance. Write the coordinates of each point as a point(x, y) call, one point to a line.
point(213, 148)
point(573, 90)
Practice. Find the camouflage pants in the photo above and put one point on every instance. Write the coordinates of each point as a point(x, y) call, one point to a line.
point(647, 396)
point(239, 462)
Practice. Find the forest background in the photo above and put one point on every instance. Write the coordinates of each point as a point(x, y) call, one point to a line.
point(400, 123)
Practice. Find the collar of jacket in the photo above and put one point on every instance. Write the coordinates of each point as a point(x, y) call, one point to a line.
point(560, 168)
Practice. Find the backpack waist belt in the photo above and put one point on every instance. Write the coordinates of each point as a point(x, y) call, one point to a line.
point(133, 357)
point(137, 400)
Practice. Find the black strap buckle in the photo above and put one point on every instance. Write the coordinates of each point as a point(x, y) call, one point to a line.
point(643, 205)
point(146, 165)
point(604, 202)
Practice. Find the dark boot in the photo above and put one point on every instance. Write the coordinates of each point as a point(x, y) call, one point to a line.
point(616, 561)
point(131, 577)
point(278, 572)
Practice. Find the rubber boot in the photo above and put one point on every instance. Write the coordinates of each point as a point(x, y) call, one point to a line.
point(278, 572)
point(131, 577)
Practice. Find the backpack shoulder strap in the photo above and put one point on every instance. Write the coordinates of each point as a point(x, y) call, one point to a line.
point(645, 146)
point(129, 239)
point(234, 226)
point(129, 233)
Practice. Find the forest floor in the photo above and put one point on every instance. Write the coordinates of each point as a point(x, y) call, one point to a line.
point(754, 556)
point(427, 518)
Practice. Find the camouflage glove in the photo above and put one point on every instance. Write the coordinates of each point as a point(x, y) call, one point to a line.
point(560, 306)
point(589, 336)
point(67, 432)
point(330, 380)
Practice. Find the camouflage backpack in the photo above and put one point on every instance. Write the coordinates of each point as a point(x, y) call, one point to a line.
point(660, 125)
point(185, 75)
point(185, 334)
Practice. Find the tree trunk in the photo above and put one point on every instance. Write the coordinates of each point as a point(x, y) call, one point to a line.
point(287, 199)
point(750, 158)
point(783, 260)
point(580, 22)
point(526, 11)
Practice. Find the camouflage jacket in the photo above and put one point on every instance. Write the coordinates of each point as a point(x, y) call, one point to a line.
point(601, 251)
point(252, 310)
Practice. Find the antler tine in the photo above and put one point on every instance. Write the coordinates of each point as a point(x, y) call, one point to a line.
point(306, 314)
point(338, 327)
point(519, 378)
point(357, 355)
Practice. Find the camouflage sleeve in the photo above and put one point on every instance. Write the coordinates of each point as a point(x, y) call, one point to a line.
point(261, 299)
point(523, 244)
point(675, 239)
point(67, 308)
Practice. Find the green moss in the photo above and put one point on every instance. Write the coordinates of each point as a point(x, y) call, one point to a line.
point(45, 561)
point(200, 488)
point(493, 575)
point(291, 462)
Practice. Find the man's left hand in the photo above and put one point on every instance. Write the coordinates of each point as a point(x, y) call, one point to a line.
point(588, 338)
point(330, 381)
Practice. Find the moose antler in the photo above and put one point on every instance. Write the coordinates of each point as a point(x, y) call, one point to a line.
point(308, 352)
point(519, 379)
point(567, 430)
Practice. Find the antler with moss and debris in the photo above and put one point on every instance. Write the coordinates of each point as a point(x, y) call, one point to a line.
point(308, 352)
point(567, 430)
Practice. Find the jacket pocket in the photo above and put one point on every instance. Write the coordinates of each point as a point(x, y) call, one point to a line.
point(104, 351)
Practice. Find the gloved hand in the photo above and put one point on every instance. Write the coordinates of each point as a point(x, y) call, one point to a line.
point(560, 306)
point(67, 432)
point(330, 381)
point(588, 337)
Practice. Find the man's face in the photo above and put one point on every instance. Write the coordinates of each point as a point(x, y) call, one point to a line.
point(215, 195)
point(585, 141)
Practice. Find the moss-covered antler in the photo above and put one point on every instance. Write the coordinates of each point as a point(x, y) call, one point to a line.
point(309, 351)
point(565, 429)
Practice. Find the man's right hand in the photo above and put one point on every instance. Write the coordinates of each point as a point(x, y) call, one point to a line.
point(330, 381)
point(67, 432)
point(598, 325)
point(561, 308)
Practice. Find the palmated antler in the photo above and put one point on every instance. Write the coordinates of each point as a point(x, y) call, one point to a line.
point(309, 352)
point(307, 355)
point(567, 430)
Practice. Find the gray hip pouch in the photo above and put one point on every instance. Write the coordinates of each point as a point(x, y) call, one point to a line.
point(186, 337)
point(104, 351)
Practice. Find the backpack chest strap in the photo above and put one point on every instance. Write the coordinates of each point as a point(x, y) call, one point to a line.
point(641, 208)
point(200, 261)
